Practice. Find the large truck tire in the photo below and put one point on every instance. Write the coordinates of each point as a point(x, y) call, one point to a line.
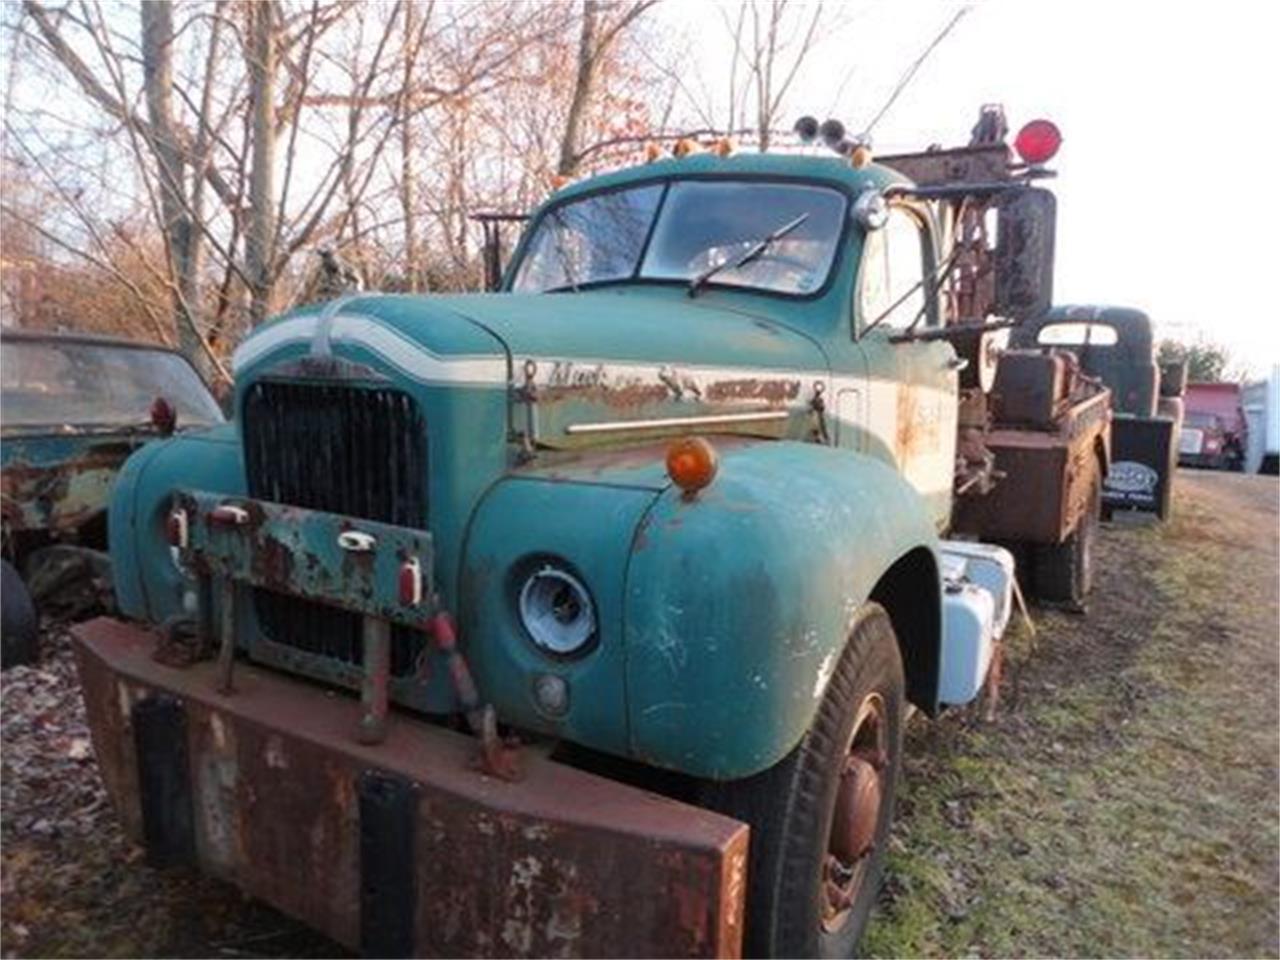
point(18, 634)
point(820, 817)
point(1064, 571)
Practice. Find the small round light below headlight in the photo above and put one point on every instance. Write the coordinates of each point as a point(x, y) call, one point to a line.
point(557, 611)
point(551, 694)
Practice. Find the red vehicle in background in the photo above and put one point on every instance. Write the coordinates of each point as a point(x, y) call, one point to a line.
point(1213, 430)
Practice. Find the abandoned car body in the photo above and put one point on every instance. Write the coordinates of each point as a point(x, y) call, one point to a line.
point(668, 509)
point(75, 408)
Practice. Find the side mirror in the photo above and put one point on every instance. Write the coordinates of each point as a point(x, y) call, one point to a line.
point(1023, 261)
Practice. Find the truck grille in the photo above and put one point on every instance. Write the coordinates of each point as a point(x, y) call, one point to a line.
point(354, 450)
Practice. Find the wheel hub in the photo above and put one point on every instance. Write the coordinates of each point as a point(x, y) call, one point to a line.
point(853, 828)
point(856, 817)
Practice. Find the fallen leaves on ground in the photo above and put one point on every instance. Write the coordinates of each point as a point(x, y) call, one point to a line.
point(71, 884)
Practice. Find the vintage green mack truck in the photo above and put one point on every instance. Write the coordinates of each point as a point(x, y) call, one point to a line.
point(636, 565)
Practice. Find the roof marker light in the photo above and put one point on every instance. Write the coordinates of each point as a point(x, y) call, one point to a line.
point(1037, 142)
point(685, 146)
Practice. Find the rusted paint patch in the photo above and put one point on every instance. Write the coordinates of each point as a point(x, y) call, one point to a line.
point(299, 552)
point(775, 391)
point(64, 492)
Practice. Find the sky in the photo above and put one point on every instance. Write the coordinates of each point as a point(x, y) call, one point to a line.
point(1170, 135)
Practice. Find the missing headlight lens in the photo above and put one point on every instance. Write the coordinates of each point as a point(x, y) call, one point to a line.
point(557, 611)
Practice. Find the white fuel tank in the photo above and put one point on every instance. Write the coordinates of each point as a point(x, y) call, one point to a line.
point(976, 604)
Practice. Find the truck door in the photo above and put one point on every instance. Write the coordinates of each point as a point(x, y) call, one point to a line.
point(912, 385)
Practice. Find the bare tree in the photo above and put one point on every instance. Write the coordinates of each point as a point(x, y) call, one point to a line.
point(225, 141)
point(774, 42)
point(594, 40)
point(155, 137)
point(260, 237)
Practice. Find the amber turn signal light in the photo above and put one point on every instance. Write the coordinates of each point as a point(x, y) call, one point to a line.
point(692, 464)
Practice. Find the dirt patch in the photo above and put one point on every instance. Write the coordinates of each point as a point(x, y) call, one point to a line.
point(1124, 801)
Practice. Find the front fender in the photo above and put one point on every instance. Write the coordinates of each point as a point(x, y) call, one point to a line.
point(739, 602)
point(522, 523)
point(148, 584)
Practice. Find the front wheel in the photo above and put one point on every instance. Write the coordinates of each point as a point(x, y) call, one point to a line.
point(820, 817)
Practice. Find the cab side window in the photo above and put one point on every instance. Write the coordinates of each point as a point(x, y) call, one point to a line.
point(891, 288)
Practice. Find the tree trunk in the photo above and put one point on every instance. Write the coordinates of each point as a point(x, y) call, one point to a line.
point(182, 235)
point(259, 238)
point(587, 59)
point(411, 267)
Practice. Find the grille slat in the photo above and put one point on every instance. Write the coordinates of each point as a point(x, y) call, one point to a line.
point(354, 450)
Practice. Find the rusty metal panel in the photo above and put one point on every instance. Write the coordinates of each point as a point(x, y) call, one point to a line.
point(563, 863)
point(1028, 502)
point(326, 557)
point(1047, 477)
point(59, 483)
point(961, 165)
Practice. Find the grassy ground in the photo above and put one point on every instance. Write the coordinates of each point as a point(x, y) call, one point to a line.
point(1124, 800)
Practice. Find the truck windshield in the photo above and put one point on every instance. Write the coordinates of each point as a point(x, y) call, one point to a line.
point(51, 383)
point(700, 224)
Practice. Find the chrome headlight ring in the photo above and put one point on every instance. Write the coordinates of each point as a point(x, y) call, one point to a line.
point(557, 612)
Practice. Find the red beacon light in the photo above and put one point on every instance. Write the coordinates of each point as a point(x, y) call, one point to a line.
point(1037, 142)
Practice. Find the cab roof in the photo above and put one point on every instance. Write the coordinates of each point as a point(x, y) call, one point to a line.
point(831, 169)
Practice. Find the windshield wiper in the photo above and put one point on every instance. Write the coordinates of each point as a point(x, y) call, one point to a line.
point(756, 251)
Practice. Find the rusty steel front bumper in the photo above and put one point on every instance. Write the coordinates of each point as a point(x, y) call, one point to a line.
point(402, 848)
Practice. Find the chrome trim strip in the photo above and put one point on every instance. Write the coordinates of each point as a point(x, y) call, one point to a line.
point(608, 426)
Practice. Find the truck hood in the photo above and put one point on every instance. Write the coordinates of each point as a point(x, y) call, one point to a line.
point(611, 365)
point(602, 365)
